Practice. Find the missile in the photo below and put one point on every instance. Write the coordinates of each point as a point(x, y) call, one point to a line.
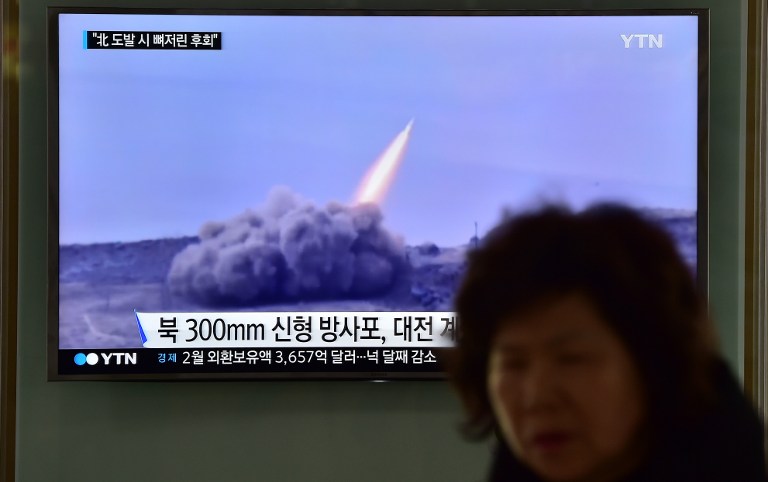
point(380, 175)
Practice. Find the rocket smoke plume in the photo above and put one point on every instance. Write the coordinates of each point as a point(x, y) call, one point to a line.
point(290, 249)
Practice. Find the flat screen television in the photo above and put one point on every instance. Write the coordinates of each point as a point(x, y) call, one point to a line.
point(291, 194)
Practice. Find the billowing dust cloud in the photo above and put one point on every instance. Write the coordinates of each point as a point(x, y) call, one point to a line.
point(288, 250)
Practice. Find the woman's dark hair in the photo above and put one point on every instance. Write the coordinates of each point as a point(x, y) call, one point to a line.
point(625, 263)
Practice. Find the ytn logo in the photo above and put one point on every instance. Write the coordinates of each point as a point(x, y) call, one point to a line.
point(107, 358)
point(643, 39)
point(119, 358)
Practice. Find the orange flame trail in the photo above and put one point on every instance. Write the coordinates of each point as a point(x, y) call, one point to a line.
point(379, 177)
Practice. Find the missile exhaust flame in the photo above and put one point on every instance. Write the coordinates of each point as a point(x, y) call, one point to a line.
point(379, 177)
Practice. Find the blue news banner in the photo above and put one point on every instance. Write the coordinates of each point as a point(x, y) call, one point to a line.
point(278, 343)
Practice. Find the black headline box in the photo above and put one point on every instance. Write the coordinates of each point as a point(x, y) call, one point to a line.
point(135, 40)
point(248, 360)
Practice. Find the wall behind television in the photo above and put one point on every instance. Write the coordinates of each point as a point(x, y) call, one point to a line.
point(290, 431)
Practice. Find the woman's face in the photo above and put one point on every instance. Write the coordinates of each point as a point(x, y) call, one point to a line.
point(566, 393)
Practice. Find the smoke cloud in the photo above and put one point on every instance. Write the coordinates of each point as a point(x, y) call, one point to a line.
point(289, 249)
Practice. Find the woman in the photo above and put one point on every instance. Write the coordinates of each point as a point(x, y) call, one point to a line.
point(586, 346)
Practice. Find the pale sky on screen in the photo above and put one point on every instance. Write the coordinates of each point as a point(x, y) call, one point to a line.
point(507, 110)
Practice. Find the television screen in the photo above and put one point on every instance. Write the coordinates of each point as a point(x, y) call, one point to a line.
point(291, 194)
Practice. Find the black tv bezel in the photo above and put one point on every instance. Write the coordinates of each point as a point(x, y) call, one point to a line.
point(702, 215)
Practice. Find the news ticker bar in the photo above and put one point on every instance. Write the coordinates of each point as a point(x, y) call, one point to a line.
point(238, 360)
point(299, 330)
point(135, 40)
